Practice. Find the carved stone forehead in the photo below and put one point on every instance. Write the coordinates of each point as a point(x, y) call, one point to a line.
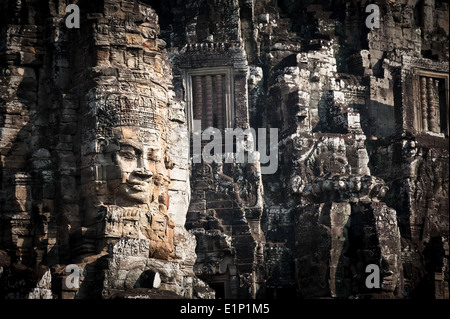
point(138, 137)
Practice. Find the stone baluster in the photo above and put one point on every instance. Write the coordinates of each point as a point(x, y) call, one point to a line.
point(424, 104)
point(198, 98)
point(433, 107)
point(209, 101)
point(430, 104)
point(219, 101)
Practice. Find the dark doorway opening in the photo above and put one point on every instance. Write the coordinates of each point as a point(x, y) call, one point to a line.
point(219, 288)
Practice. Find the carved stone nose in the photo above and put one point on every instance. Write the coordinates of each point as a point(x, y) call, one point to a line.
point(143, 173)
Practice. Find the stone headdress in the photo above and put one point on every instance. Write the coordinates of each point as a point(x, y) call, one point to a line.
point(116, 110)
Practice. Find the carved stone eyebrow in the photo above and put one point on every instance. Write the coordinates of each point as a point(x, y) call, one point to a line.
point(129, 144)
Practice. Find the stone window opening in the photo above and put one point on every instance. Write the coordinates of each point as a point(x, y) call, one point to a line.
point(431, 105)
point(209, 95)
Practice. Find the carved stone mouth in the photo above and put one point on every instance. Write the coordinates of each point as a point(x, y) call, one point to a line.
point(137, 185)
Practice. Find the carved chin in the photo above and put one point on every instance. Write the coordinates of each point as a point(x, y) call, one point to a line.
point(135, 194)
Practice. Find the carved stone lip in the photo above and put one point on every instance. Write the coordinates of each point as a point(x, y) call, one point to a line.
point(139, 188)
point(137, 184)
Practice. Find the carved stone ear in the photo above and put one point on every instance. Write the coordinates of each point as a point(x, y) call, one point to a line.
point(101, 145)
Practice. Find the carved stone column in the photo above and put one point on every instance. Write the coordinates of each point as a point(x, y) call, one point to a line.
point(432, 125)
point(198, 97)
point(209, 101)
point(219, 98)
point(424, 103)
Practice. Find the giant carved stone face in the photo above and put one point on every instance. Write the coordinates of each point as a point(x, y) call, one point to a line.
point(133, 168)
point(132, 165)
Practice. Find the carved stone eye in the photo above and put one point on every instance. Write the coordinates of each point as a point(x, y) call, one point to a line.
point(127, 155)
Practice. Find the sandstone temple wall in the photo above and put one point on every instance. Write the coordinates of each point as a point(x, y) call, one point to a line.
point(98, 164)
